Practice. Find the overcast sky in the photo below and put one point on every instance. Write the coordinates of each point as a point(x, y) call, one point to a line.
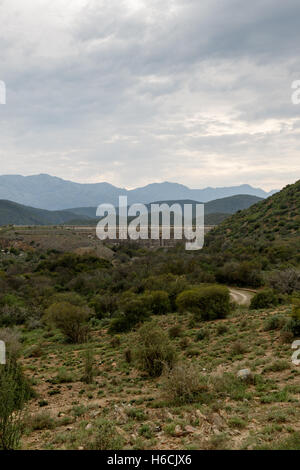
point(136, 91)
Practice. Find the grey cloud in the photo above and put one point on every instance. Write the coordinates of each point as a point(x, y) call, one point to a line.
point(131, 96)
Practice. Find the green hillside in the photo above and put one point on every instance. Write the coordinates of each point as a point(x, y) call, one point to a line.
point(268, 231)
point(17, 214)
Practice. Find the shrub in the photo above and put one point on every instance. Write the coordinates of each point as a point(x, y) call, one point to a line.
point(240, 274)
point(41, 421)
point(264, 299)
point(133, 311)
point(158, 302)
point(14, 392)
point(230, 385)
point(183, 384)
point(207, 303)
point(115, 341)
point(89, 367)
point(106, 437)
point(286, 281)
point(62, 377)
point(12, 315)
point(277, 366)
point(70, 319)
point(238, 348)
point(128, 355)
point(293, 324)
point(222, 329)
point(175, 331)
point(104, 305)
point(201, 335)
point(71, 297)
point(11, 339)
point(153, 350)
point(276, 322)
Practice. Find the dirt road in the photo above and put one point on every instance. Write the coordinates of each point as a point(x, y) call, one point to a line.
point(241, 297)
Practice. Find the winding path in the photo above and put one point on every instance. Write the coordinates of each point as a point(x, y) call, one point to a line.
point(240, 296)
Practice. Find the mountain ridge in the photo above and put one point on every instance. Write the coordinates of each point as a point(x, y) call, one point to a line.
point(48, 192)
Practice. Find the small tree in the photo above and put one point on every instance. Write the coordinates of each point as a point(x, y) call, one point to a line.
point(14, 392)
point(153, 350)
point(70, 319)
point(89, 367)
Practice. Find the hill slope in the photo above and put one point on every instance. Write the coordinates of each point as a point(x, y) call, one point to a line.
point(269, 229)
point(17, 214)
point(228, 205)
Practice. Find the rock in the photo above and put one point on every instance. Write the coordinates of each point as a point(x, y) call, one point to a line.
point(244, 374)
point(223, 414)
point(216, 431)
point(80, 448)
point(178, 431)
point(200, 415)
point(190, 429)
point(88, 426)
point(217, 421)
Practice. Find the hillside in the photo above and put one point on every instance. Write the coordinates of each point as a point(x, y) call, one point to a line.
point(17, 214)
point(225, 382)
point(269, 229)
point(52, 193)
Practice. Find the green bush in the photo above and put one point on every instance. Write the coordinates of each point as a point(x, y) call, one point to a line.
point(240, 274)
point(201, 335)
point(106, 437)
point(175, 331)
point(14, 392)
point(275, 322)
point(153, 350)
point(104, 305)
point(89, 369)
point(158, 302)
point(134, 310)
point(293, 324)
point(207, 303)
point(183, 384)
point(70, 319)
point(264, 299)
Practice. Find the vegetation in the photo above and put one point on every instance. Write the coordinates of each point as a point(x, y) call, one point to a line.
point(153, 350)
point(207, 303)
point(140, 347)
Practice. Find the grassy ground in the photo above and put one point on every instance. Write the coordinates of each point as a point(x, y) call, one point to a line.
point(123, 408)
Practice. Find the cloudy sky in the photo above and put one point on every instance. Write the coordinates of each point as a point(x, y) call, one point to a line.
point(136, 91)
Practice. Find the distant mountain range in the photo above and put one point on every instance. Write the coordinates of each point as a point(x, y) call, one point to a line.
point(52, 193)
point(18, 214)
